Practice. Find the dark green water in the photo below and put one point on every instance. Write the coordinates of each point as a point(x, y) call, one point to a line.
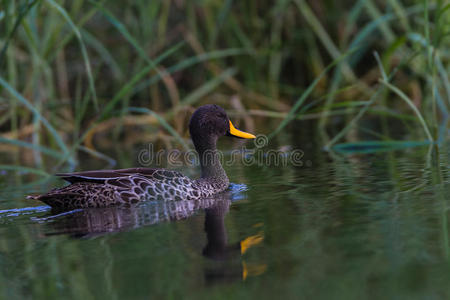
point(342, 227)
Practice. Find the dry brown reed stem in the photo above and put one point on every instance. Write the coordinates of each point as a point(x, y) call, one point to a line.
point(282, 115)
point(236, 103)
point(108, 124)
point(61, 70)
point(20, 133)
point(174, 95)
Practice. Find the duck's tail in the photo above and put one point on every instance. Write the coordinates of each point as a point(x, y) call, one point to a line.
point(33, 197)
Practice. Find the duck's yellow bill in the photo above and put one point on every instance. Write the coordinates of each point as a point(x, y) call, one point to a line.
point(241, 134)
point(251, 241)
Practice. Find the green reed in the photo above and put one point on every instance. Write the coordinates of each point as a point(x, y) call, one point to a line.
point(69, 67)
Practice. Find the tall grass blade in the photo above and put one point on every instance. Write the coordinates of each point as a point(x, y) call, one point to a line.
point(323, 35)
point(24, 170)
point(122, 29)
point(23, 11)
point(411, 104)
point(37, 113)
point(191, 61)
point(358, 116)
point(163, 123)
point(129, 86)
point(305, 95)
point(34, 147)
point(206, 88)
point(96, 154)
point(103, 52)
point(116, 99)
point(87, 63)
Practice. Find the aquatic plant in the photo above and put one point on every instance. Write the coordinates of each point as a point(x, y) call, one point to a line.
point(362, 71)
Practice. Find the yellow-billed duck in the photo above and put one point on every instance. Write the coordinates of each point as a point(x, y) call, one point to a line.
point(130, 186)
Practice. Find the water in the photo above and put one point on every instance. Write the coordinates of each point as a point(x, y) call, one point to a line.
point(338, 227)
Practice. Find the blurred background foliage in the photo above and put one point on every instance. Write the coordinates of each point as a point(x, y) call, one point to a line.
point(85, 75)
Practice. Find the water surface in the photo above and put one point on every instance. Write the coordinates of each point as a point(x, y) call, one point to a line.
point(338, 227)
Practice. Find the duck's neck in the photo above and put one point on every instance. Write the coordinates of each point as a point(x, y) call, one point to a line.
point(210, 158)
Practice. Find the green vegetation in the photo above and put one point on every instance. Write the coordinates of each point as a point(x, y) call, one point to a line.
point(72, 71)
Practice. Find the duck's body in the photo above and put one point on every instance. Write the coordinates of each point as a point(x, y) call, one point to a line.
point(131, 186)
point(128, 187)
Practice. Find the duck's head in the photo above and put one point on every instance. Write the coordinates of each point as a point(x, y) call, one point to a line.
point(210, 122)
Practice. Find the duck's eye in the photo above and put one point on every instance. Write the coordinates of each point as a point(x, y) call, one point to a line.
point(221, 116)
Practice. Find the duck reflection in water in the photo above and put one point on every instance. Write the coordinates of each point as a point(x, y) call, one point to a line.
point(226, 261)
point(230, 264)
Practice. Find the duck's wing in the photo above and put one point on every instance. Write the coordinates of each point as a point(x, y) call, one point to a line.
point(101, 176)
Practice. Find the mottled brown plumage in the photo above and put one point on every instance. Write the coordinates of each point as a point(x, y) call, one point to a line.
point(130, 186)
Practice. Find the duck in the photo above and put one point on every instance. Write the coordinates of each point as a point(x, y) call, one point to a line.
point(127, 187)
